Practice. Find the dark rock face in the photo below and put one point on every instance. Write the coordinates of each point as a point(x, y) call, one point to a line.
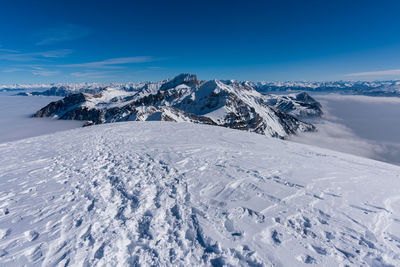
point(305, 98)
point(235, 105)
point(301, 105)
point(61, 107)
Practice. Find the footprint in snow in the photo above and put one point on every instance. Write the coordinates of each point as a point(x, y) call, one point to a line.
point(4, 233)
point(3, 252)
point(31, 235)
point(275, 237)
point(319, 250)
point(35, 253)
point(229, 225)
point(307, 259)
point(78, 222)
point(4, 211)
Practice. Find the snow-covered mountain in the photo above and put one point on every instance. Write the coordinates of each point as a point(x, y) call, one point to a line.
point(64, 90)
point(179, 194)
point(70, 89)
point(300, 105)
point(235, 105)
point(371, 88)
point(24, 87)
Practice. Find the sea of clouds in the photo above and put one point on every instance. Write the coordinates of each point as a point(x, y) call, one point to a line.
point(360, 125)
point(16, 120)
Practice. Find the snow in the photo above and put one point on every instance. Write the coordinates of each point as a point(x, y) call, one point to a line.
point(187, 194)
point(72, 87)
point(107, 95)
point(217, 114)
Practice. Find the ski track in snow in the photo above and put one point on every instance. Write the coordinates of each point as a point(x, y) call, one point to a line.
point(177, 194)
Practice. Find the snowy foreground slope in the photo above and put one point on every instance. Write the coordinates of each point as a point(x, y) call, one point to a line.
point(186, 194)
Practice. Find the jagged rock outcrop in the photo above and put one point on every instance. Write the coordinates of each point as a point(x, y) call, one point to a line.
point(184, 99)
point(301, 105)
point(182, 79)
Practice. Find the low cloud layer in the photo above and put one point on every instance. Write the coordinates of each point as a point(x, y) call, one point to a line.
point(357, 98)
point(16, 121)
point(338, 137)
point(344, 129)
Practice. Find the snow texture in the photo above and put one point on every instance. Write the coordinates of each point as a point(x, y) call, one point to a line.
point(179, 194)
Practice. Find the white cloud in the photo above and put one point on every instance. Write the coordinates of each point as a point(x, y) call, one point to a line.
point(56, 53)
point(33, 56)
point(13, 70)
point(45, 73)
point(375, 73)
point(34, 69)
point(8, 50)
point(112, 62)
point(94, 74)
point(63, 33)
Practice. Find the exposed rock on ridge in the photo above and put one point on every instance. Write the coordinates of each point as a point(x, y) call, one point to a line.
point(231, 104)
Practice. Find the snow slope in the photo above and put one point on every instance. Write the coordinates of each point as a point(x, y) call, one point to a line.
point(178, 194)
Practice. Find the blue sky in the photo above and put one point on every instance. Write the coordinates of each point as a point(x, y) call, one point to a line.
point(118, 41)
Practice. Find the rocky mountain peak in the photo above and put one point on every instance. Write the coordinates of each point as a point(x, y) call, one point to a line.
point(184, 78)
point(231, 104)
point(306, 98)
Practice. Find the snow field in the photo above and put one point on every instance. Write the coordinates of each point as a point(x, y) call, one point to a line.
point(178, 194)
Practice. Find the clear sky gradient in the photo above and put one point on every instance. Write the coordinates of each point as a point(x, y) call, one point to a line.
point(118, 41)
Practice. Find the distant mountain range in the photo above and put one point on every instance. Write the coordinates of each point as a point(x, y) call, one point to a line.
point(67, 88)
point(371, 88)
point(375, 88)
point(230, 104)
